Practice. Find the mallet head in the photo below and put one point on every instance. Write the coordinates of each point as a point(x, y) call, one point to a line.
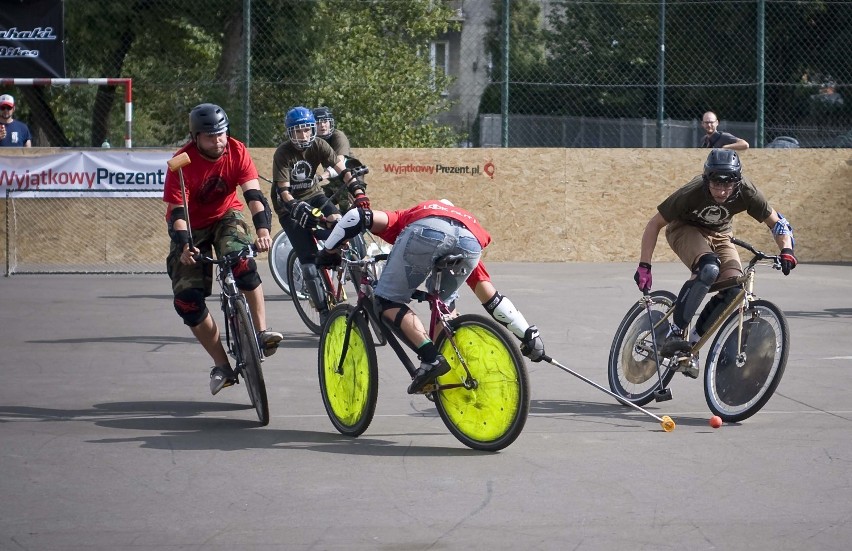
point(179, 161)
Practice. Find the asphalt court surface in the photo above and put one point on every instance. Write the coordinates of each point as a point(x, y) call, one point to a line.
point(111, 439)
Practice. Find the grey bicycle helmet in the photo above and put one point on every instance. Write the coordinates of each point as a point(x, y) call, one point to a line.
point(207, 118)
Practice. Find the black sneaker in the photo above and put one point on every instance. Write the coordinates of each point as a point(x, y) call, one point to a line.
point(220, 377)
point(674, 345)
point(427, 373)
point(269, 341)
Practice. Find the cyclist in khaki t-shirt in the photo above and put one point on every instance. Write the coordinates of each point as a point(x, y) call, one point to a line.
point(698, 218)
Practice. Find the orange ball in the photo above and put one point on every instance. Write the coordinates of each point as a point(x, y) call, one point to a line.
point(715, 421)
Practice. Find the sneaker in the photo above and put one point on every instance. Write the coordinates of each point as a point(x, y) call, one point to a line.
point(427, 373)
point(269, 341)
point(674, 343)
point(220, 377)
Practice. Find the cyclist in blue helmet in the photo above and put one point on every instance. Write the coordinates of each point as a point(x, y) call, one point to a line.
point(297, 191)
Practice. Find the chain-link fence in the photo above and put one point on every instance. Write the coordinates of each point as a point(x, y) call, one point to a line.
point(426, 73)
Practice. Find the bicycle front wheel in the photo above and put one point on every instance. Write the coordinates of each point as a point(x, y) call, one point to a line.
point(739, 382)
point(248, 361)
point(349, 389)
point(278, 255)
point(305, 307)
point(488, 411)
point(632, 368)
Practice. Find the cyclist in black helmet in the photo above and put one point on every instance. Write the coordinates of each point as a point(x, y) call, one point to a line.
point(219, 164)
point(328, 131)
point(697, 218)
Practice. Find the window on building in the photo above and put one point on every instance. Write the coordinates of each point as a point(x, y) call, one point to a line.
point(440, 58)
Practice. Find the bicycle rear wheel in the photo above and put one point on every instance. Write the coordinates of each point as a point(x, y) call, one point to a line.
point(738, 385)
point(302, 300)
point(248, 360)
point(632, 368)
point(349, 391)
point(490, 413)
point(278, 255)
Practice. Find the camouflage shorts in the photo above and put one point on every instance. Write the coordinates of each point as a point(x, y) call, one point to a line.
point(229, 234)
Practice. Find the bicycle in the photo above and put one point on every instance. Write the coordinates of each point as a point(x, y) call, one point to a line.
point(240, 335)
point(483, 400)
point(281, 249)
point(333, 280)
point(279, 252)
point(745, 362)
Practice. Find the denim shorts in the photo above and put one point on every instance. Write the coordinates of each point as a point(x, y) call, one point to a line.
point(414, 253)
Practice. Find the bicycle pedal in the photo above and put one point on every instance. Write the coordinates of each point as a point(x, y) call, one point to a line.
point(428, 389)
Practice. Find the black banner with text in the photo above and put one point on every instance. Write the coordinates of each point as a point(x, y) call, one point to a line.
point(31, 39)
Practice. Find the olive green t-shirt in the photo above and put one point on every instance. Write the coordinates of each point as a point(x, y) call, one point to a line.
point(287, 157)
point(694, 205)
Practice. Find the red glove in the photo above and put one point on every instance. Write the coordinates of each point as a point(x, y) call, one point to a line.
point(788, 261)
point(362, 201)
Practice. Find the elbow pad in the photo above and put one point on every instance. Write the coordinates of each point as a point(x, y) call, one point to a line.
point(782, 227)
point(353, 222)
point(262, 219)
point(502, 310)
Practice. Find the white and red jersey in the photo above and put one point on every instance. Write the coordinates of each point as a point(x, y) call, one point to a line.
point(399, 219)
point(211, 186)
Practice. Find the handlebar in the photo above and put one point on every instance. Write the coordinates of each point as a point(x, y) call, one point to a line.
point(758, 255)
point(230, 259)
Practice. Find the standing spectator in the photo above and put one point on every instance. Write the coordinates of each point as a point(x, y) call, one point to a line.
point(716, 139)
point(14, 133)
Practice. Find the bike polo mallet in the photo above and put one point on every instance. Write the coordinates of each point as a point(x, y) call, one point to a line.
point(665, 421)
point(176, 164)
point(662, 394)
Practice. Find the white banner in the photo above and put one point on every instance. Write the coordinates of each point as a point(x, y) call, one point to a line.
point(86, 174)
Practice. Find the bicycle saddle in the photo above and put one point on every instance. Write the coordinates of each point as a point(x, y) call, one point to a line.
point(449, 262)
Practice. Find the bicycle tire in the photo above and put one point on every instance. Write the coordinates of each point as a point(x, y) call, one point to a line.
point(248, 360)
point(738, 386)
point(349, 395)
point(491, 415)
point(305, 307)
point(279, 252)
point(632, 369)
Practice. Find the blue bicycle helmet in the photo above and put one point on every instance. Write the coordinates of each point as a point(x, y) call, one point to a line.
point(299, 118)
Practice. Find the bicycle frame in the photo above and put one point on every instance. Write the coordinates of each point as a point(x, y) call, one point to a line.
point(227, 295)
point(440, 316)
point(744, 296)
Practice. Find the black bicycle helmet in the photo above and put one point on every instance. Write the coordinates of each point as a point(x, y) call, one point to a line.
point(723, 165)
point(207, 118)
point(325, 114)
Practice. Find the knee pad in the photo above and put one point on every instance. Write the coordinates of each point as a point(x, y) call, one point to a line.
point(245, 274)
point(714, 307)
point(707, 269)
point(190, 306)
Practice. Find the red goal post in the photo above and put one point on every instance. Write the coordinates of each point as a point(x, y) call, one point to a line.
point(126, 82)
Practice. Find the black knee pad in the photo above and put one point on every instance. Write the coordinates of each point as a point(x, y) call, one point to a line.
point(190, 306)
point(714, 307)
point(245, 275)
point(707, 269)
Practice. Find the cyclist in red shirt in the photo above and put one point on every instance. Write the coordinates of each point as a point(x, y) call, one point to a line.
point(422, 234)
point(219, 164)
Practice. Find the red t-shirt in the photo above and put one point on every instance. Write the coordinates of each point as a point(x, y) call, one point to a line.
point(399, 219)
point(211, 186)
